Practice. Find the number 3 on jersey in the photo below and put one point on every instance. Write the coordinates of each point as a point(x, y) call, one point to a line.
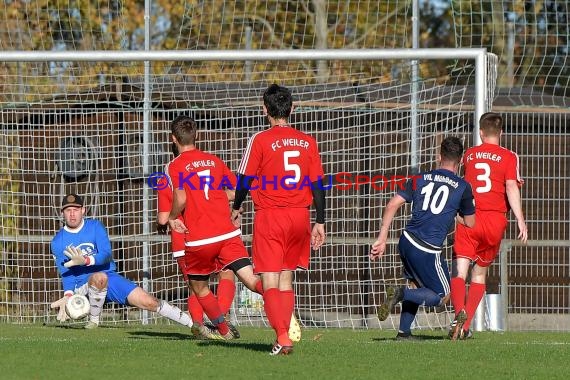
point(485, 177)
point(289, 166)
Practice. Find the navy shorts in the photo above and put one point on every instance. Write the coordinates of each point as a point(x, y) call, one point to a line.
point(424, 264)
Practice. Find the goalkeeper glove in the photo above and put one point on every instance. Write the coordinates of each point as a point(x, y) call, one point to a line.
point(162, 228)
point(75, 257)
point(60, 303)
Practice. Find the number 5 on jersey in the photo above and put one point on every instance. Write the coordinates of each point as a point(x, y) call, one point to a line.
point(289, 166)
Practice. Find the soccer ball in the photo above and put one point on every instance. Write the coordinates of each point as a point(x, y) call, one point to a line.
point(77, 306)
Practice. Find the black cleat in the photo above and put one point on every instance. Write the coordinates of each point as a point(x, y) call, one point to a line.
point(457, 325)
point(406, 336)
point(233, 330)
point(393, 296)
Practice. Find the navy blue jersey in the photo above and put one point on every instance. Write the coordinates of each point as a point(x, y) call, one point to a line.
point(437, 196)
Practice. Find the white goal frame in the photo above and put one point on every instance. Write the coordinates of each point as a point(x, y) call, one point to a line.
point(478, 55)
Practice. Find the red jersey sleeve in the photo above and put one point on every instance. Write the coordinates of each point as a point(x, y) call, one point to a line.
point(512, 169)
point(316, 167)
point(229, 178)
point(164, 199)
point(252, 157)
point(164, 192)
point(174, 174)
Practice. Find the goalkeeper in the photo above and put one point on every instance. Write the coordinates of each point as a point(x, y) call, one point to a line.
point(82, 253)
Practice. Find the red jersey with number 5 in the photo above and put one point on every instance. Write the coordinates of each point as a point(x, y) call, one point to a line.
point(284, 163)
point(204, 177)
point(487, 168)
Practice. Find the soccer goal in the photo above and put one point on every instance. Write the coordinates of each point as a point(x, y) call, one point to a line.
point(97, 123)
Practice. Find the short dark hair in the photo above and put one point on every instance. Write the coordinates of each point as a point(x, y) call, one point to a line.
point(491, 123)
point(184, 129)
point(278, 101)
point(451, 149)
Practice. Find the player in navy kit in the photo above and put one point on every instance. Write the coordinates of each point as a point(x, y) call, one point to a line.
point(437, 197)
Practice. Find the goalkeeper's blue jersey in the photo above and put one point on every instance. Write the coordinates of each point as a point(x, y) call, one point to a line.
point(91, 237)
point(437, 196)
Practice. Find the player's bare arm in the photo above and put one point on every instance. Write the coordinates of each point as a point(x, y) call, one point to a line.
point(319, 200)
point(236, 217)
point(231, 194)
point(514, 198)
point(379, 246)
point(318, 236)
point(178, 204)
point(466, 220)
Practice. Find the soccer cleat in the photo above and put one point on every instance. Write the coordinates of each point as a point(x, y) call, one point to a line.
point(278, 349)
point(406, 336)
point(91, 325)
point(209, 325)
point(228, 336)
point(203, 332)
point(294, 329)
point(393, 296)
point(457, 325)
point(233, 330)
point(464, 335)
point(195, 330)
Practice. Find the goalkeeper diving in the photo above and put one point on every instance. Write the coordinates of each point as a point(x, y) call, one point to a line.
point(83, 256)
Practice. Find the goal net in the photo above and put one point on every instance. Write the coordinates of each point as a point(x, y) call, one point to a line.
point(98, 125)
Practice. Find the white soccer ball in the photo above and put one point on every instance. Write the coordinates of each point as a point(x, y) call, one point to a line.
point(77, 306)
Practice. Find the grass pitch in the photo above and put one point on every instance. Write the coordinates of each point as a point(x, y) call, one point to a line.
point(169, 352)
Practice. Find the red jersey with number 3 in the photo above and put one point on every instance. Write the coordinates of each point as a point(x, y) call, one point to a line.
point(487, 168)
point(204, 177)
point(284, 163)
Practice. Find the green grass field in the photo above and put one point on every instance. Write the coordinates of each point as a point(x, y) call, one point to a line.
point(169, 352)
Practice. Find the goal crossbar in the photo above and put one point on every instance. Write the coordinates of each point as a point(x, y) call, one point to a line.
point(243, 55)
point(476, 54)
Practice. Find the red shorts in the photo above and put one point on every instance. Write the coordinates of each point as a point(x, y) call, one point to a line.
point(281, 239)
point(481, 243)
point(178, 251)
point(211, 258)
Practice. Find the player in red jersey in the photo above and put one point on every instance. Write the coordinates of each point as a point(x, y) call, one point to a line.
point(493, 173)
point(282, 167)
point(212, 242)
point(226, 284)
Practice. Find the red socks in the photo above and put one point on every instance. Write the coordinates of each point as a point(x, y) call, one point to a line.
point(476, 293)
point(288, 298)
point(213, 311)
point(458, 294)
point(275, 312)
point(195, 309)
point(226, 292)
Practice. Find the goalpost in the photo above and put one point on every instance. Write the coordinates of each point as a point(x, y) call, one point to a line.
point(71, 124)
